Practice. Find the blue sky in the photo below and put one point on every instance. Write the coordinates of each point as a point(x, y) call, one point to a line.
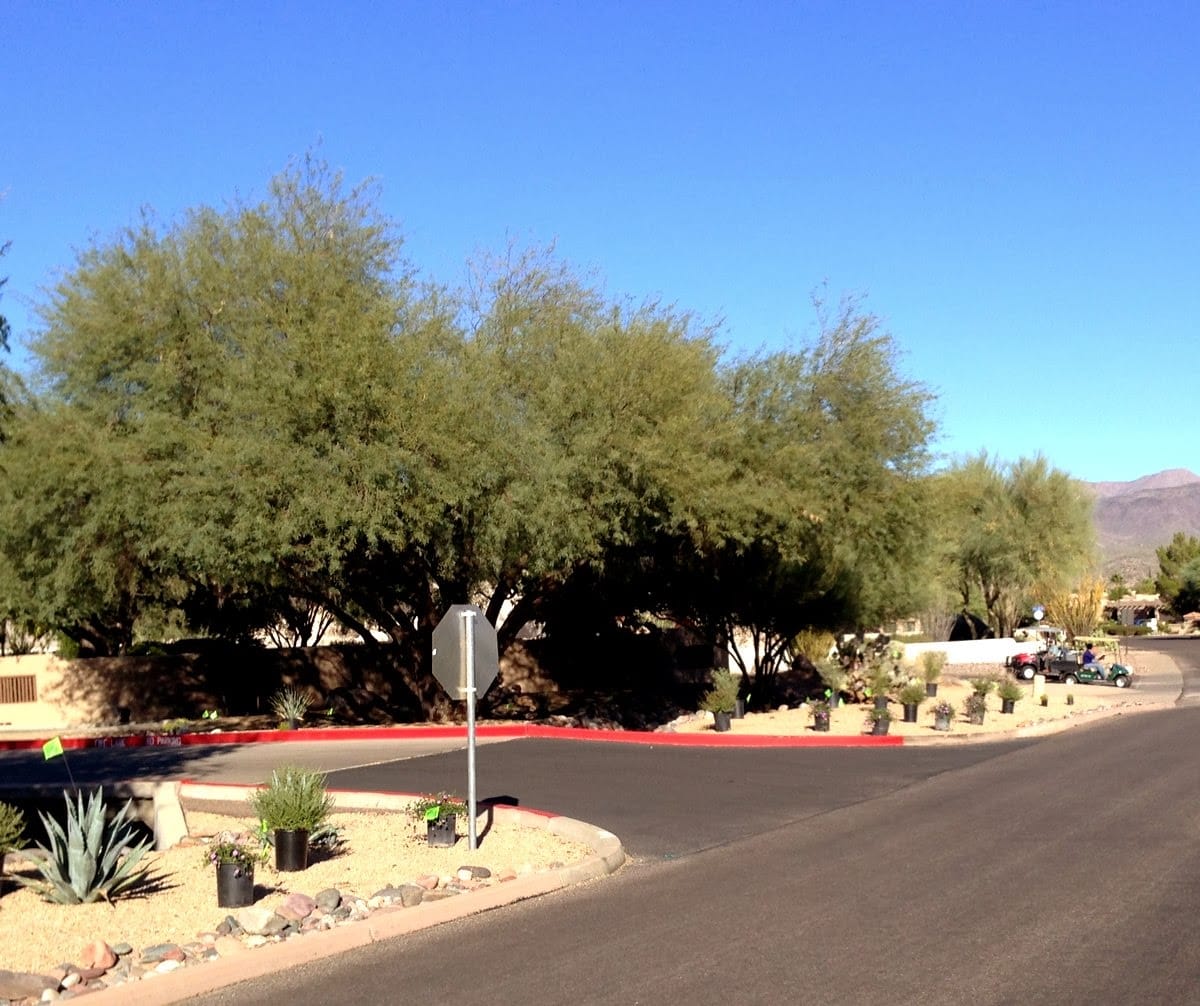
point(1012, 186)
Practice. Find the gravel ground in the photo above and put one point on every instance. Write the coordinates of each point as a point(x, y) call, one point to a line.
point(382, 849)
point(1090, 701)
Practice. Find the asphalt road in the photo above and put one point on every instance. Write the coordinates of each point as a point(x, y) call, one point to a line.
point(1065, 870)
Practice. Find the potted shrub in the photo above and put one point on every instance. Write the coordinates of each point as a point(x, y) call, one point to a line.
point(234, 858)
point(975, 707)
point(834, 676)
point(290, 807)
point(721, 698)
point(943, 713)
point(911, 697)
point(878, 685)
point(878, 720)
point(290, 705)
point(1010, 693)
point(932, 662)
point(818, 709)
point(440, 812)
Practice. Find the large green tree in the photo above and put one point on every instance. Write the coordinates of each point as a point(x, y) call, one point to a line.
point(825, 521)
point(1006, 529)
point(1173, 582)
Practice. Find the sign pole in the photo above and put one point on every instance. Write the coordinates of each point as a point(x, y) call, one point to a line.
point(468, 650)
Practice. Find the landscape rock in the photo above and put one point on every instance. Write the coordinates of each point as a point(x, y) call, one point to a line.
point(474, 872)
point(22, 985)
point(255, 919)
point(97, 954)
point(296, 907)
point(328, 899)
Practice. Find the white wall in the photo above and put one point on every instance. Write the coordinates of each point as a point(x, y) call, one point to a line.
point(969, 651)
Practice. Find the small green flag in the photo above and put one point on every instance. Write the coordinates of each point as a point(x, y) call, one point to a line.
point(433, 812)
point(52, 748)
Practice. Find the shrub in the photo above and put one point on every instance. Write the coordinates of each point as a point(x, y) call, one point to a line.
point(942, 710)
point(983, 687)
point(12, 829)
point(932, 662)
point(294, 799)
point(437, 807)
point(975, 704)
point(94, 858)
point(1010, 691)
point(722, 696)
point(912, 694)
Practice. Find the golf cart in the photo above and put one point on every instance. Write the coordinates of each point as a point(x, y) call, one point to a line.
point(1043, 639)
point(1061, 664)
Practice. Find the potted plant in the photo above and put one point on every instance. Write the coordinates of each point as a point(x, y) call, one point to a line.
point(943, 713)
point(234, 857)
point(834, 676)
point(440, 812)
point(932, 662)
point(290, 705)
point(878, 685)
point(721, 698)
point(818, 709)
point(911, 697)
point(975, 707)
point(1010, 693)
point(291, 805)
point(878, 720)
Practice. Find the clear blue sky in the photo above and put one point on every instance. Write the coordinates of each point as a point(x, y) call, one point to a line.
point(1014, 187)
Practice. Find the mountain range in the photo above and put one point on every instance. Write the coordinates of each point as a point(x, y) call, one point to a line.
point(1134, 518)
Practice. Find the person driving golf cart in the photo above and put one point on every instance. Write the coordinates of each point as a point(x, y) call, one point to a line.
point(1091, 660)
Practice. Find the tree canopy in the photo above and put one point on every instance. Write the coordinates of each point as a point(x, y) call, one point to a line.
point(1008, 530)
point(257, 412)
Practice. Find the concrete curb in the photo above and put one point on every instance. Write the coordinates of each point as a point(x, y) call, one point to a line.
point(384, 924)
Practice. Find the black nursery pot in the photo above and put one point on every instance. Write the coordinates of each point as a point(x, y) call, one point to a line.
point(441, 833)
point(1008, 705)
point(931, 689)
point(722, 721)
point(910, 713)
point(235, 886)
point(291, 850)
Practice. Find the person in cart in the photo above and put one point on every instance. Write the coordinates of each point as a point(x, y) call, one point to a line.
point(1092, 660)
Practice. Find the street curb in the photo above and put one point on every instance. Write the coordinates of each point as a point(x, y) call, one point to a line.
point(513, 732)
point(606, 857)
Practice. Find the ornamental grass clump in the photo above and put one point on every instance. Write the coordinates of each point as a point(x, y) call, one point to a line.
point(294, 799)
point(932, 662)
point(94, 858)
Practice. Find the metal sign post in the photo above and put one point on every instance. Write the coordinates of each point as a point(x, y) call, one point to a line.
point(466, 662)
point(467, 636)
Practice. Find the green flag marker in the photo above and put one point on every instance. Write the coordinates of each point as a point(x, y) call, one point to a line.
point(52, 748)
point(432, 813)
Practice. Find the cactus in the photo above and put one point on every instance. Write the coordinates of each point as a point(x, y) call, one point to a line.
point(93, 859)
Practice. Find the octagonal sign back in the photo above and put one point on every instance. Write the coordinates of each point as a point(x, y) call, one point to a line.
point(450, 651)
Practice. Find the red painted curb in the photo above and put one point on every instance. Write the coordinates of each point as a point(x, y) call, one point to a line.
point(528, 730)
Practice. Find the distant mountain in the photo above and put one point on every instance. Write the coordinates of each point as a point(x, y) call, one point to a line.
point(1134, 518)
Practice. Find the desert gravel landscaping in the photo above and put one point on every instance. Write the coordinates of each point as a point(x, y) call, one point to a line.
point(382, 849)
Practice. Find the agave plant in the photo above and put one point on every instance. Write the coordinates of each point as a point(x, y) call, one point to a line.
point(93, 859)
